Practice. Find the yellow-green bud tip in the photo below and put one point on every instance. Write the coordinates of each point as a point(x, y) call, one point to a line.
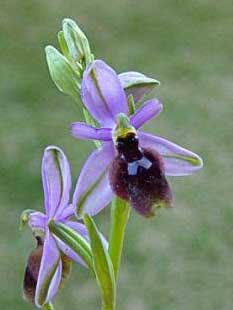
point(24, 217)
point(123, 127)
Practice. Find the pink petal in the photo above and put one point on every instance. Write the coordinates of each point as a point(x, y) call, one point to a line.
point(37, 220)
point(85, 132)
point(149, 110)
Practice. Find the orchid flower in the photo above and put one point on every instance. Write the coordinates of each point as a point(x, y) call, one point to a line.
point(48, 263)
point(104, 98)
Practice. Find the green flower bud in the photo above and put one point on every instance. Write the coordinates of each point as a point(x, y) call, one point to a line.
point(63, 44)
point(65, 51)
point(64, 76)
point(77, 42)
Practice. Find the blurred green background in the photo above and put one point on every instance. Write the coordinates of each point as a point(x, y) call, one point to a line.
point(183, 258)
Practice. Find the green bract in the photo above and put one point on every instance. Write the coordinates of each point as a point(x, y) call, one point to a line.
point(76, 242)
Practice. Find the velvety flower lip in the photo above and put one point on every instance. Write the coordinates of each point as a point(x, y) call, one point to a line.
point(56, 181)
point(103, 96)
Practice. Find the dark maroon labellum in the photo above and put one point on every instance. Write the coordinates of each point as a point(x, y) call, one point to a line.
point(137, 176)
point(33, 267)
point(32, 271)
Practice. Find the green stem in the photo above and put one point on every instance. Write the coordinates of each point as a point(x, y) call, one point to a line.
point(119, 217)
point(48, 306)
point(104, 307)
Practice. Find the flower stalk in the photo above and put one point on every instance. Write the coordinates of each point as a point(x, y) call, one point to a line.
point(120, 212)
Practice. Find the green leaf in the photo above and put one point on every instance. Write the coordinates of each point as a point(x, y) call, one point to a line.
point(102, 265)
point(75, 241)
point(64, 76)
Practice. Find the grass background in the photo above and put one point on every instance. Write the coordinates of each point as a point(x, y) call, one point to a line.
point(181, 260)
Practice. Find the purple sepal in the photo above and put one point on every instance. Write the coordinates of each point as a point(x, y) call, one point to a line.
point(137, 84)
point(56, 180)
point(50, 263)
point(102, 93)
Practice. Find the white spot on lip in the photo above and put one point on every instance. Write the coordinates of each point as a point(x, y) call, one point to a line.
point(133, 167)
